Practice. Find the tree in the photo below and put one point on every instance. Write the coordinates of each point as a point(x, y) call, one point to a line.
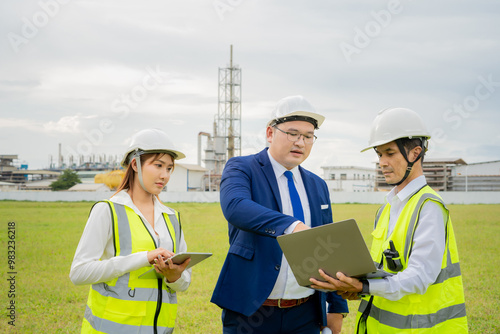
point(66, 180)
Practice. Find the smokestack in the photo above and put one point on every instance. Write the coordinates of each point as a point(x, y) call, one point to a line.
point(60, 156)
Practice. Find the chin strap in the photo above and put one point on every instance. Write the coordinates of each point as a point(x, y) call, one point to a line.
point(409, 165)
point(137, 157)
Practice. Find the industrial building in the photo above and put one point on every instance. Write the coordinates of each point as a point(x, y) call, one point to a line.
point(225, 141)
point(16, 176)
point(222, 144)
point(441, 174)
point(349, 178)
point(481, 176)
point(454, 175)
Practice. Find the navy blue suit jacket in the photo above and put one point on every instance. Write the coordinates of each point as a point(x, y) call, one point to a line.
point(251, 203)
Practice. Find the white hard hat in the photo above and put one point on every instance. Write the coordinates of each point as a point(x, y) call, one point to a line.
point(150, 141)
point(295, 108)
point(394, 123)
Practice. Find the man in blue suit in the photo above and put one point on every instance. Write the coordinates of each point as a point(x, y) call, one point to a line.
point(263, 196)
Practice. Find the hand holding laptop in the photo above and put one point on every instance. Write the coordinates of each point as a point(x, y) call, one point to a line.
point(335, 247)
point(300, 227)
point(347, 287)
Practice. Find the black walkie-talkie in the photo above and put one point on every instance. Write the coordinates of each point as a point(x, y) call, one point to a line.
point(392, 258)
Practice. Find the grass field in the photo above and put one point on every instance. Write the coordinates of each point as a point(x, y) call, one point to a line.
point(47, 233)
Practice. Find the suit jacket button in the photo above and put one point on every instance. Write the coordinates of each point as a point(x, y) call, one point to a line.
point(273, 232)
point(277, 267)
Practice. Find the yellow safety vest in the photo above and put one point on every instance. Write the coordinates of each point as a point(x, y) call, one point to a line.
point(128, 304)
point(441, 309)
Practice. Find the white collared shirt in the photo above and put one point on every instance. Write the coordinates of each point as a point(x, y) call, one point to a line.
point(286, 285)
point(94, 260)
point(424, 264)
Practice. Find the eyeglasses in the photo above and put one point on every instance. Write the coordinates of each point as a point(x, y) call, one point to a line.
point(295, 136)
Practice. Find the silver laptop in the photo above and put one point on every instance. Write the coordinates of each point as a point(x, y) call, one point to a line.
point(332, 247)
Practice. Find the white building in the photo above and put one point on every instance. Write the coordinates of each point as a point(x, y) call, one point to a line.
point(454, 174)
point(8, 186)
point(186, 177)
point(478, 169)
point(99, 187)
point(349, 178)
point(481, 176)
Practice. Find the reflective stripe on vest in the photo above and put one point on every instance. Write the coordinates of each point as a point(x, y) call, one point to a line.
point(442, 307)
point(414, 320)
point(128, 304)
point(108, 326)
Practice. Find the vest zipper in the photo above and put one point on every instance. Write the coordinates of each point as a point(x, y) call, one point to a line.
point(158, 306)
point(159, 300)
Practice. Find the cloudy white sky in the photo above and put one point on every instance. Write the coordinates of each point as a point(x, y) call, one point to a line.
point(67, 67)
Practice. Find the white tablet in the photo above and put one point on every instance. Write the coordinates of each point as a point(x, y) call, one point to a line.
point(178, 259)
point(195, 258)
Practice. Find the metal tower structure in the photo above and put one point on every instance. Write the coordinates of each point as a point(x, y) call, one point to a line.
point(227, 131)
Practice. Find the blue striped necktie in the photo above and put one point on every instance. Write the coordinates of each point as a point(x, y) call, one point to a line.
point(294, 197)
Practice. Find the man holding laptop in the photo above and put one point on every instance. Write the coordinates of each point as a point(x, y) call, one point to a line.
point(264, 196)
point(413, 239)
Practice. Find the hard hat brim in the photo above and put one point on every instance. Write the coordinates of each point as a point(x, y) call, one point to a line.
point(391, 124)
point(383, 142)
point(177, 155)
point(317, 117)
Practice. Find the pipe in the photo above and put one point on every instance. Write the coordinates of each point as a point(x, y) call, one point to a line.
point(199, 144)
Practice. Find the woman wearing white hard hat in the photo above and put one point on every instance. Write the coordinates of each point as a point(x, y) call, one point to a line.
point(124, 237)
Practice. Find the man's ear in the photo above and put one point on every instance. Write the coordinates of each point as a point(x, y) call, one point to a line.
point(269, 134)
point(415, 152)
